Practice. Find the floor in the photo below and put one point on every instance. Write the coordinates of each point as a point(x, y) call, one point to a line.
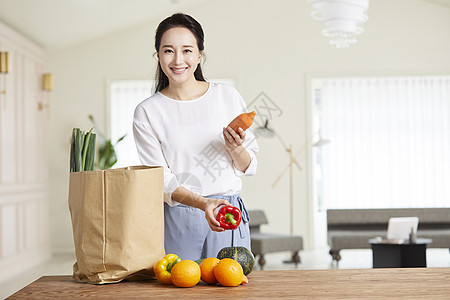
point(311, 260)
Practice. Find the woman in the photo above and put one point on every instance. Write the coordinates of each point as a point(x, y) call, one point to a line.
point(181, 128)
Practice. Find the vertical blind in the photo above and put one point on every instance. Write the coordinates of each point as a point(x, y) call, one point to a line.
point(389, 141)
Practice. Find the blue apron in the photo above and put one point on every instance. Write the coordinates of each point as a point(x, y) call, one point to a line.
point(188, 235)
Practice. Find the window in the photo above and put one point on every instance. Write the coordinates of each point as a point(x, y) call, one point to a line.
point(125, 96)
point(389, 142)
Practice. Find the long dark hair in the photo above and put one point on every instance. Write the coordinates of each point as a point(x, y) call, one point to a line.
point(178, 20)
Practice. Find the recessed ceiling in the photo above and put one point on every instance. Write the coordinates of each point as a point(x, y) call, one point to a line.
point(56, 24)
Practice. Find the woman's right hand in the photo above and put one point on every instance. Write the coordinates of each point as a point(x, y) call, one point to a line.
point(210, 209)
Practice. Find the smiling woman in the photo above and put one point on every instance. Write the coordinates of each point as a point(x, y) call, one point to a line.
point(181, 128)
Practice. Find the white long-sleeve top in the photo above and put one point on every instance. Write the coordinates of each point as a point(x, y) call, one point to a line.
point(185, 137)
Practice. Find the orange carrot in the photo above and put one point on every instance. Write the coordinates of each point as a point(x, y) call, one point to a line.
point(244, 121)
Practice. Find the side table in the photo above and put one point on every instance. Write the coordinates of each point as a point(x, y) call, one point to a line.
point(391, 254)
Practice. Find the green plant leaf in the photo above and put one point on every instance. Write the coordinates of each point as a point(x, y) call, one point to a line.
point(119, 140)
point(107, 156)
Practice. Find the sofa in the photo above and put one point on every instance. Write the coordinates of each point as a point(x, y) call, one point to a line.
point(264, 243)
point(352, 228)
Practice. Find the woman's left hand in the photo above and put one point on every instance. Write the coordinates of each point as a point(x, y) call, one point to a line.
point(211, 208)
point(233, 139)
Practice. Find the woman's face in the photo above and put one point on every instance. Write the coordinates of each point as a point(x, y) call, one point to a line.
point(179, 55)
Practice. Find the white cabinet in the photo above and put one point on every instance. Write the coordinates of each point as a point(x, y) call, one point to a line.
point(24, 234)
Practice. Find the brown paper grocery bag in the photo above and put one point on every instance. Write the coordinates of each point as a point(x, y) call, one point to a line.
point(118, 223)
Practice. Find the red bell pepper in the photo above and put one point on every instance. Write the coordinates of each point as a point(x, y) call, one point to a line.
point(229, 217)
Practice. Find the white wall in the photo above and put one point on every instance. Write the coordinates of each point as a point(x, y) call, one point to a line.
point(270, 46)
point(24, 232)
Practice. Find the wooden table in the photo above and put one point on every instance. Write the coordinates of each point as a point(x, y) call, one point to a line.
point(426, 283)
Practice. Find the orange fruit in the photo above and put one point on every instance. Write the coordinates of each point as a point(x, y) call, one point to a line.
point(207, 268)
point(186, 273)
point(228, 272)
point(244, 280)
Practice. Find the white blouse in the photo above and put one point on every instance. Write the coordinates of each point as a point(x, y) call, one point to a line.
point(185, 137)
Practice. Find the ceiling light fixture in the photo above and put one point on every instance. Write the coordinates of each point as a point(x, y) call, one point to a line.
point(342, 19)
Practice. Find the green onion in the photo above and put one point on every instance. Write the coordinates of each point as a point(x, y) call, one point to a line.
point(90, 154)
point(85, 149)
point(72, 151)
point(82, 150)
point(78, 148)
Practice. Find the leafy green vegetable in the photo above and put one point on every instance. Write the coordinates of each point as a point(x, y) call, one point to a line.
point(91, 154)
point(82, 150)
